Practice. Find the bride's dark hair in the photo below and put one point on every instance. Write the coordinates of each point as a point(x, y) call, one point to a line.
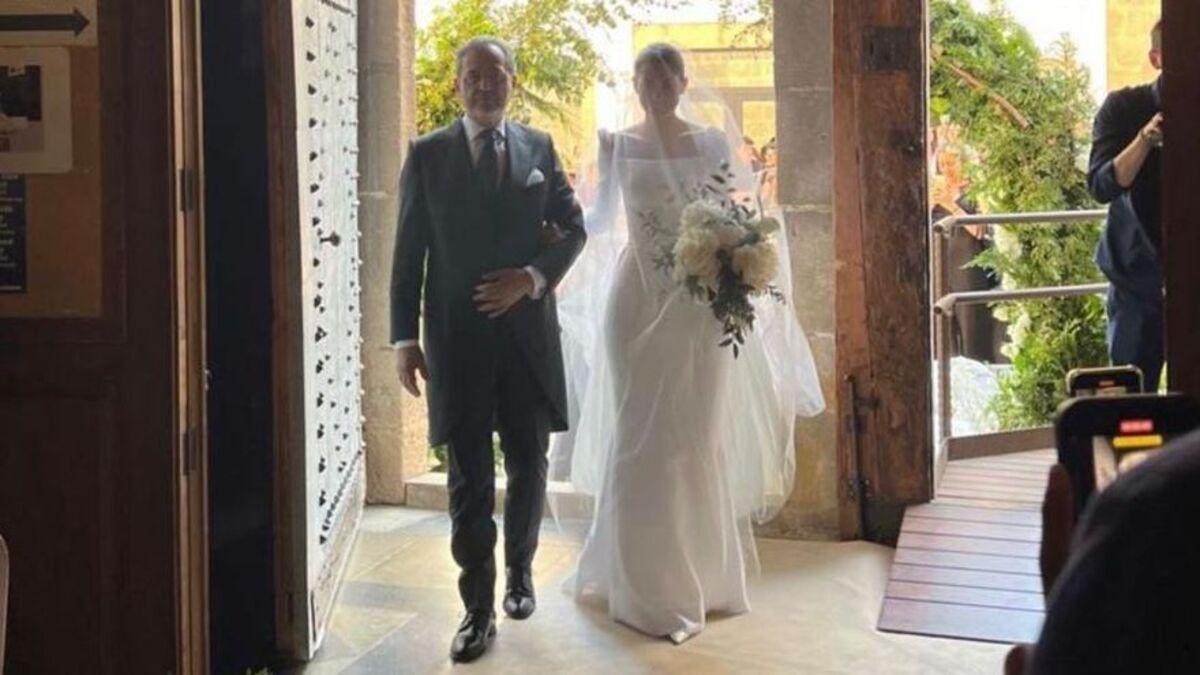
point(661, 53)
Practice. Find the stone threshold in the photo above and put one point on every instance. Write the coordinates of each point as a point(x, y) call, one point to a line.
point(428, 491)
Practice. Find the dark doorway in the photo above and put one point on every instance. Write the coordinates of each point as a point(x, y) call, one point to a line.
point(241, 464)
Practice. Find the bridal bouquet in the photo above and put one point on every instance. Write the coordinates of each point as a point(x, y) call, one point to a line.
point(724, 253)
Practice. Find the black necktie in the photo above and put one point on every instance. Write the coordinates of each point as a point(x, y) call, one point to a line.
point(489, 160)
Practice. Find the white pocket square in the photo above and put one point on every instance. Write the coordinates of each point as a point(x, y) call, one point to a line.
point(536, 177)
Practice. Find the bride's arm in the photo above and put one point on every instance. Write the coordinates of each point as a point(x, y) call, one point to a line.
point(720, 151)
point(603, 211)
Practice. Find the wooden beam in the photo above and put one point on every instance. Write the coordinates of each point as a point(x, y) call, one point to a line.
point(1181, 200)
point(881, 224)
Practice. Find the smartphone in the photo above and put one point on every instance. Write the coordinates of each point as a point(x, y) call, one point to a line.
point(1114, 381)
point(1099, 438)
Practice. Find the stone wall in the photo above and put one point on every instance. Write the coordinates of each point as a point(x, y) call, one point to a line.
point(395, 428)
point(1129, 24)
point(804, 94)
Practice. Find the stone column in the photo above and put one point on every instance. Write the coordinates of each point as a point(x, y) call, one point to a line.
point(1129, 24)
point(395, 428)
point(804, 95)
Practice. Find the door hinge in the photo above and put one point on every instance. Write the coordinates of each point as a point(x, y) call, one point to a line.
point(191, 451)
point(859, 490)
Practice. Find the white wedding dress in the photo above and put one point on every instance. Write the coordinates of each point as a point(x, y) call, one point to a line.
point(681, 444)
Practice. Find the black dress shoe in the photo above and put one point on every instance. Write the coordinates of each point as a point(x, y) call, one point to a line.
point(474, 636)
point(518, 599)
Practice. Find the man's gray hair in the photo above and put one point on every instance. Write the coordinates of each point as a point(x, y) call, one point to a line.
point(485, 42)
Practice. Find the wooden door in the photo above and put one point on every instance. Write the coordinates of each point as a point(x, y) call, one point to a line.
point(881, 225)
point(99, 357)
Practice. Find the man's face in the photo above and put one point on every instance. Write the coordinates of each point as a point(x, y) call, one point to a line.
point(1156, 56)
point(484, 84)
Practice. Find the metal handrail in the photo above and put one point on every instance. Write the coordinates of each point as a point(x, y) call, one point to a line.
point(943, 307)
point(945, 225)
point(948, 302)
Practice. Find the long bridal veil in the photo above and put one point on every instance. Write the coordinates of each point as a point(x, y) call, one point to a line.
point(753, 405)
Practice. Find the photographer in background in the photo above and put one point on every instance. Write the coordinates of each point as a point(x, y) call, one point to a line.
point(1125, 172)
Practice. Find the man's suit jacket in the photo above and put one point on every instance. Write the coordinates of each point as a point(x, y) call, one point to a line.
point(452, 231)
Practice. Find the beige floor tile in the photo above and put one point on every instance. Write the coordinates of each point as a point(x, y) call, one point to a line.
point(372, 549)
point(424, 562)
point(814, 611)
point(326, 667)
point(362, 628)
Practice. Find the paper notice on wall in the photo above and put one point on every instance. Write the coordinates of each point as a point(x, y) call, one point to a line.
point(35, 110)
point(68, 23)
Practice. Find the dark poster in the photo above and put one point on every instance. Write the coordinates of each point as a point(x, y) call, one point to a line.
point(12, 234)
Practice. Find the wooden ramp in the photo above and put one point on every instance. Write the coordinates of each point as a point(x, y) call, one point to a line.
point(966, 565)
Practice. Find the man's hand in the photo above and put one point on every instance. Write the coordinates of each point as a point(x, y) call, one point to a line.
point(1129, 163)
point(1152, 133)
point(409, 362)
point(501, 290)
point(1018, 659)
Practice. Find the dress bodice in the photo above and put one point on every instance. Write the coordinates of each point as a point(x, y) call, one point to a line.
point(655, 191)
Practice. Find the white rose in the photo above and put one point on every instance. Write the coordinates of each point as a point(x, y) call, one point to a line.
point(700, 215)
point(696, 255)
point(756, 264)
point(730, 235)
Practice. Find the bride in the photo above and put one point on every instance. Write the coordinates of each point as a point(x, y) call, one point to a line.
point(682, 444)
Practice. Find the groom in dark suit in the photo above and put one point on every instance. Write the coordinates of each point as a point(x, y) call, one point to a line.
point(488, 226)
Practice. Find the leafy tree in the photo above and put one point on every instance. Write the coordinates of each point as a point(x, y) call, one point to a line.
point(452, 26)
point(754, 15)
point(1026, 115)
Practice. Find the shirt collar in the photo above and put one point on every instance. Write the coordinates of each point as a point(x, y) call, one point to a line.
point(1157, 89)
point(473, 128)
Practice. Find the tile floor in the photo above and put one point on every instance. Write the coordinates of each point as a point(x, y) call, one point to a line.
point(815, 607)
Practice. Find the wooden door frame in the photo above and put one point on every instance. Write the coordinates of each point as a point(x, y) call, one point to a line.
point(191, 484)
point(1181, 200)
point(292, 632)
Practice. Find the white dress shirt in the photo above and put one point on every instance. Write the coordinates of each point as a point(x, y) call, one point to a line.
point(475, 139)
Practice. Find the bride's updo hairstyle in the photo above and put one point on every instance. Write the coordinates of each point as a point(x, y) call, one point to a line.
point(661, 53)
